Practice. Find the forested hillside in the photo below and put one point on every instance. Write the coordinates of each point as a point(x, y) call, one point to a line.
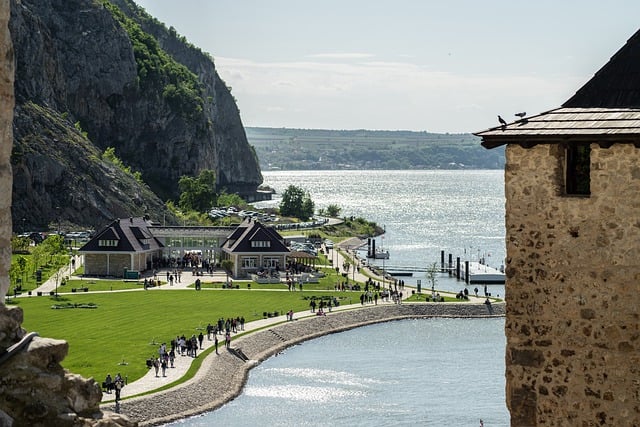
point(291, 149)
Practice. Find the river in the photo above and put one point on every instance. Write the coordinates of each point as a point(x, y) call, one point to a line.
point(429, 372)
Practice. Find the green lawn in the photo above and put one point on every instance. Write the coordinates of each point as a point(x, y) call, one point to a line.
point(27, 280)
point(125, 323)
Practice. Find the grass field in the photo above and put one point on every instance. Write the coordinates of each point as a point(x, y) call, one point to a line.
point(124, 324)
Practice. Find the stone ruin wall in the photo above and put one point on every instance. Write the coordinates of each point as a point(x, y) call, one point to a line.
point(572, 324)
point(6, 143)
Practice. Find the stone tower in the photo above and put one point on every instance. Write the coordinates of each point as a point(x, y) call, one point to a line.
point(572, 186)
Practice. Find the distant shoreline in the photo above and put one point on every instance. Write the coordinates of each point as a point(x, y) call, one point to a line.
point(221, 378)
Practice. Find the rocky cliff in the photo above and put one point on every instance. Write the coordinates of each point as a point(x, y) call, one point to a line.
point(34, 388)
point(97, 74)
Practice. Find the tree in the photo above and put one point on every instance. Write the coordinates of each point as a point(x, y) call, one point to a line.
point(198, 194)
point(54, 245)
point(296, 202)
point(333, 211)
point(226, 199)
point(20, 244)
point(431, 277)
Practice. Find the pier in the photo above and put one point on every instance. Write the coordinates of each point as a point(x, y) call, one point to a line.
point(471, 272)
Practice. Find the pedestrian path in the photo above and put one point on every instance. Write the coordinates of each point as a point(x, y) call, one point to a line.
point(150, 381)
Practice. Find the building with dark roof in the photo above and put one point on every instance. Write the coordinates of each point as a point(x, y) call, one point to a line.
point(124, 245)
point(253, 247)
point(572, 187)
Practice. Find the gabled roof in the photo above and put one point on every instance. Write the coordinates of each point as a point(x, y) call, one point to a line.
point(605, 110)
point(250, 230)
point(616, 84)
point(131, 234)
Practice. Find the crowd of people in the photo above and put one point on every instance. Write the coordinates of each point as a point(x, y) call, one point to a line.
point(185, 346)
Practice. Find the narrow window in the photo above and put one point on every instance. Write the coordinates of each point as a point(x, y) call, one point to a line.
point(578, 167)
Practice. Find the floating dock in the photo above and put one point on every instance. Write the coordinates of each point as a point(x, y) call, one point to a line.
point(473, 272)
point(482, 274)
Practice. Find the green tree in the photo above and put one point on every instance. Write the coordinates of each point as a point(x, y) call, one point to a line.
point(17, 270)
point(20, 244)
point(226, 199)
point(333, 211)
point(53, 246)
point(296, 202)
point(198, 194)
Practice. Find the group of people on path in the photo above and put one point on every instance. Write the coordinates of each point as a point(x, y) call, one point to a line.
point(183, 346)
point(113, 384)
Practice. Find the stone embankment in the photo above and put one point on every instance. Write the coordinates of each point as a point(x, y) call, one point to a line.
point(222, 377)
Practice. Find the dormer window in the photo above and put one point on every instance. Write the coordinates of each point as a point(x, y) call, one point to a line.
point(577, 170)
point(108, 243)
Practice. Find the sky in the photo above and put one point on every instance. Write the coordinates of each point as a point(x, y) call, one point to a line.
point(423, 65)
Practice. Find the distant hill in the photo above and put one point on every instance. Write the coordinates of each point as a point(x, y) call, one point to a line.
point(300, 149)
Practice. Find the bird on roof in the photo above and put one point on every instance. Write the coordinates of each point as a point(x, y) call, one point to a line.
point(521, 115)
point(501, 120)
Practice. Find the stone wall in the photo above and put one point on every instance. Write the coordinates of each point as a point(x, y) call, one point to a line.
point(572, 270)
point(96, 264)
point(6, 143)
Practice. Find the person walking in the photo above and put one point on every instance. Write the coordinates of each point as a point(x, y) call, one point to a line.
point(164, 367)
point(118, 388)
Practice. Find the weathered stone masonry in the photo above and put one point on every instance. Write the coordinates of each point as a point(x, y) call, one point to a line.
point(573, 270)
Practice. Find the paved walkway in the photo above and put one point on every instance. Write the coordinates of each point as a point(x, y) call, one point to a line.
point(150, 381)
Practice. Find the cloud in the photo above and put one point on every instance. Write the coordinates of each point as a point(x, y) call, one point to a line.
point(352, 55)
point(383, 94)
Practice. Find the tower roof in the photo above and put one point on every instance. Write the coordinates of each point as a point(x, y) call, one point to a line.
point(616, 84)
point(606, 109)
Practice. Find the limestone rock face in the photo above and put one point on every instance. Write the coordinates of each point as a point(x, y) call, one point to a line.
point(81, 88)
point(36, 391)
point(34, 388)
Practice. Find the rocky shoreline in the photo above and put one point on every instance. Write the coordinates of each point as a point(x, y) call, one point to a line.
point(222, 377)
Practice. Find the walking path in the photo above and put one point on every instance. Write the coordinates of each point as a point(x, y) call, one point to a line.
point(150, 381)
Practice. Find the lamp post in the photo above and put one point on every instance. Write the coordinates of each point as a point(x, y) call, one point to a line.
point(354, 266)
point(71, 262)
point(58, 215)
